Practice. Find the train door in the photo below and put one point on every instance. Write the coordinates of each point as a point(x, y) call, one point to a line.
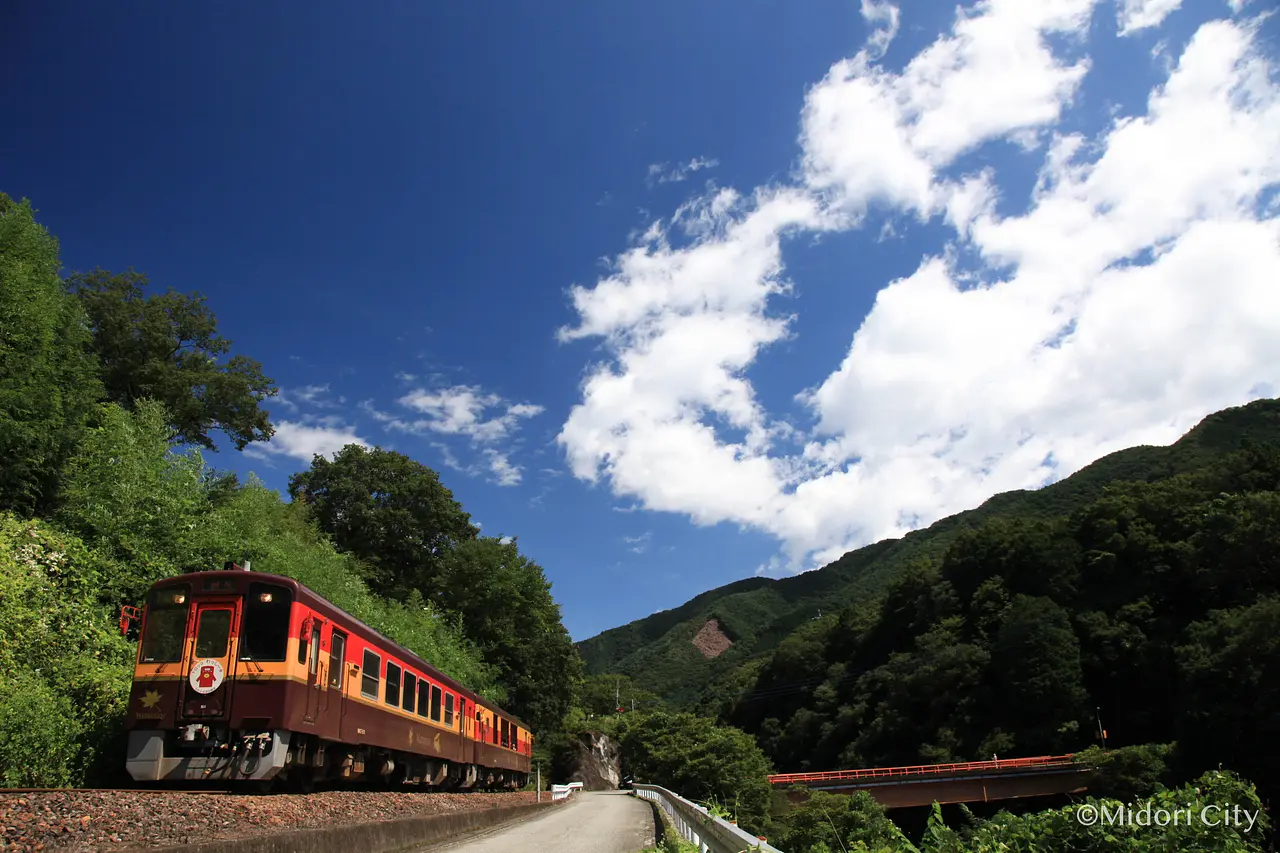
point(315, 678)
point(335, 696)
point(206, 690)
point(464, 728)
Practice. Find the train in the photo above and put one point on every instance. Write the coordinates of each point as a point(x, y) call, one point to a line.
point(247, 677)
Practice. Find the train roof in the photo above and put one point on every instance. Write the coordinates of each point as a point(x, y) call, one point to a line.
point(314, 598)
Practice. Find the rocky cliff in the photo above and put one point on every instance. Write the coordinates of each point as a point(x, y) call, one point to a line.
point(595, 760)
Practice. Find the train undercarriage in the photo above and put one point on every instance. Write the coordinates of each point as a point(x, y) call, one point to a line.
point(280, 759)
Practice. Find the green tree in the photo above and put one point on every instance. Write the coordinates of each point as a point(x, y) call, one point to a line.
point(166, 347)
point(136, 499)
point(390, 511)
point(64, 669)
point(1230, 710)
point(837, 822)
point(48, 377)
point(1035, 667)
point(505, 603)
point(600, 695)
point(699, 760)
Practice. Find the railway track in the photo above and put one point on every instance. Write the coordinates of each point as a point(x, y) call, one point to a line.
point(117, 790)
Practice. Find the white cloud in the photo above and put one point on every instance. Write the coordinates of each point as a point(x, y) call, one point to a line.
point(870, 136)
point(638, 544)
point(1135, 15)
point(486, 420)
point(460, 410)
point(1134, 295)
point(660, 173)
point(303, 441)
point(504, 472)
point(882, 16)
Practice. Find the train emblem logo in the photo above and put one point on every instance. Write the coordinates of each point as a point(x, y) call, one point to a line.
point(206, 676)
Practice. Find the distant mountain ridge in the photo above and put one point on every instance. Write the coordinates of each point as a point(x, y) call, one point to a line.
point(755, 614)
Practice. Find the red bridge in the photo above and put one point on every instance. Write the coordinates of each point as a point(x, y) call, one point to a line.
point(969, 782)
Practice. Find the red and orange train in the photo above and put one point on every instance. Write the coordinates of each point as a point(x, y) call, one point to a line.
point(246, 676)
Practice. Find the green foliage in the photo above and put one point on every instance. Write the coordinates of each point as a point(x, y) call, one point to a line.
point(698, 759)
point(835, 822)
point(600, 695)
point(39, 734)
point(1129, 772)
point(64, 671)
point(166, 347)
point(140, 503)
point(48, 379)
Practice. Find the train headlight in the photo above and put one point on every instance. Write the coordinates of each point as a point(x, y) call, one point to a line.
point(179, 598)
point(264, 597)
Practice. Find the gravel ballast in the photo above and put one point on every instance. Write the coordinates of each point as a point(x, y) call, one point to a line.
point(113, 820)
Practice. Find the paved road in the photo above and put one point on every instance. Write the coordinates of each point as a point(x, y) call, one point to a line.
point(598, 822)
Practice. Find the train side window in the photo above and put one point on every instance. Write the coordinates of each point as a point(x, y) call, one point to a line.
point(505, 737)
point(337, 653)
point(369, 676)
point(166, 628)
point(410, 691)
point(448, 710)
point(424, 697)
point(494, 721)
point(392, 696)
point(265, 635)
point(435, 703)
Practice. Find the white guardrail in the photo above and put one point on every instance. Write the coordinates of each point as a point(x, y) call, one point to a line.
point(711, 834)
point(559, 792)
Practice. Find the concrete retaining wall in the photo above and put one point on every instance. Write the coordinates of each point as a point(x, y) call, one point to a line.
point(380, 837)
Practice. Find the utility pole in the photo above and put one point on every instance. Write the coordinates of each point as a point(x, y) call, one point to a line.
point(539, 782)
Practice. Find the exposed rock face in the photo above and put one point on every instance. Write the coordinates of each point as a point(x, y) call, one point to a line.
point(596, 762)
point(711, 641)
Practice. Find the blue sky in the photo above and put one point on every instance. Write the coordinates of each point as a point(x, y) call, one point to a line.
point(678, 293)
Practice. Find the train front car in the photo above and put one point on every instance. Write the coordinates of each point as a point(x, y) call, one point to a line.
point(245, 676)
point(212, 683)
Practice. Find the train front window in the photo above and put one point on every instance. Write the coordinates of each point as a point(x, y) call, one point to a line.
point(213, 633)
point(166, 624)
point(265, 635)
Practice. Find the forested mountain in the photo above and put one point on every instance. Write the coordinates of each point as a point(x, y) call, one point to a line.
point(757, 614)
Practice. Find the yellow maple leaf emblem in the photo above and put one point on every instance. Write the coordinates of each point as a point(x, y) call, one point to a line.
point(435, 742)
point(151, 698)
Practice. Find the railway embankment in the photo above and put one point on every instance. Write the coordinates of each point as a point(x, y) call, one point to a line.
point(169, 821)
